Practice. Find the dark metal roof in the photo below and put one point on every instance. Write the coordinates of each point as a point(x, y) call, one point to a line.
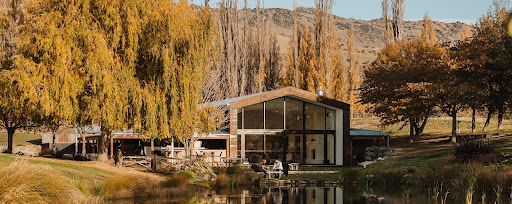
point(359, 132)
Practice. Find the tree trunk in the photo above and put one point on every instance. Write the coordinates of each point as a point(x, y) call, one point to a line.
point(53, 142)
point(10, 134)
point(84, 150)
point(500, 119)
point(473, 120)
point(103, 143)
point(453, 137)
point(487, 121)
point(411, 131)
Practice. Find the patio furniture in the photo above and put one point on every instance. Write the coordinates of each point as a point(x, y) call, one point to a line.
point(294, 166)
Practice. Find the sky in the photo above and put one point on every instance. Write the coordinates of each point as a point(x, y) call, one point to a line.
point(467, 11)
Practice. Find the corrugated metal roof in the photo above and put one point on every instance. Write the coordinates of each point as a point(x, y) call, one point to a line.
point(226, 102)
point(359, 132)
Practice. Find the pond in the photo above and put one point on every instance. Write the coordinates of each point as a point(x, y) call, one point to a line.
point(285, 195)
point(306, 195)
point(289, 195)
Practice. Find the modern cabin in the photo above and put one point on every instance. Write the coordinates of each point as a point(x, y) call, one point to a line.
point(294, 125)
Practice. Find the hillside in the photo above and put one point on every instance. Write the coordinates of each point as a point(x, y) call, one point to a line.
point(369, 34)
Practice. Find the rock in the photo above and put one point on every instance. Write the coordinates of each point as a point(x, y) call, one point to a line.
point(206, 176)
point(390, 153)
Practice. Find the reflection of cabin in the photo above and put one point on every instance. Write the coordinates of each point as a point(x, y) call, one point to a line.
point(291, 124)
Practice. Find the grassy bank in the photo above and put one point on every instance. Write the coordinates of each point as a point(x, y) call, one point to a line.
point(41, 179)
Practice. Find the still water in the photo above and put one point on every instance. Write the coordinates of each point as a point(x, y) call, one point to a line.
point(291, 195)
point(304, 195)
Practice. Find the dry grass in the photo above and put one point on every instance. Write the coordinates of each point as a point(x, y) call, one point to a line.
point(21, 182)
point(21, 138)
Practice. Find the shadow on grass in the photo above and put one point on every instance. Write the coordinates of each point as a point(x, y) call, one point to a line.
point(36, 141)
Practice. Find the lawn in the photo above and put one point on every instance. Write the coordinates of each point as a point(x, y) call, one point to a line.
point(431, 147)
point(21, 138)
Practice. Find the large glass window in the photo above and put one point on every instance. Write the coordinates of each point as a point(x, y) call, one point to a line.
point(254, 142)
point(330, 148)
point(274, 146)
point(294, 114)
point(315, 149)
point(330, 119)
point(239, 119)
point(274, 114)
point(294, 152)
point(315, 117)
point(254, 148)
point(253, 116)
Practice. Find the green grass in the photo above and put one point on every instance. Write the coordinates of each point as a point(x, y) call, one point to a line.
point(321, 177)
point(21, 138)
point(436, 126)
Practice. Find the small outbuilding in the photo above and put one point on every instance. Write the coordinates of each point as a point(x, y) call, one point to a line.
point(365, 138)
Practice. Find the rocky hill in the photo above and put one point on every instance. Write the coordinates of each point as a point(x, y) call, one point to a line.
point(369, 34)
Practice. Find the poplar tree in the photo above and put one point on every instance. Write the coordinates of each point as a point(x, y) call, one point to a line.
point(354, 75)
point(314, 59)
point(392, 22)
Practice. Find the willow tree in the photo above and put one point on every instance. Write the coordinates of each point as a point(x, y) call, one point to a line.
point(175, 44)
point(18, 85)
point(85, 52)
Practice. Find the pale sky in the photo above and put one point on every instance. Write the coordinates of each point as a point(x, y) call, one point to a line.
point(467, 11)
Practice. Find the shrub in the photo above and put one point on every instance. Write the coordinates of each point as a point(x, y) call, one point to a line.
point(350, 176)
point(477, 151)
point(221, 181)
point(180, 179)
point(234, 170)
point(190, 175)
point(197, 166)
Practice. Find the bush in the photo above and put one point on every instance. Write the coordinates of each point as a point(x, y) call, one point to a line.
point(234, 170)
point(180, 179)
point(190, 175)
point(221, 181)
point(350, 176)
point(477, 151)
point(224, 180)
point(197, 166)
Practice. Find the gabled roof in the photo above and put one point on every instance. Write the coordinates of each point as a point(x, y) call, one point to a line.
point(252, 99)
point(226, 102)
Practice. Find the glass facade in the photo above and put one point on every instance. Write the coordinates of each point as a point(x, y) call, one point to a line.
point(253, 116)
point(294, 114)
point(290, 129)
point(330, 119)
point(254, 148)
point(274, 114)
point(315, 117)
point(294, 148)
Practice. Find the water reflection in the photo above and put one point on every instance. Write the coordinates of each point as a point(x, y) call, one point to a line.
point(302, 195)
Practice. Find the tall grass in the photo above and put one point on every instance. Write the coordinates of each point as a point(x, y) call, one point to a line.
point(22, 182)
